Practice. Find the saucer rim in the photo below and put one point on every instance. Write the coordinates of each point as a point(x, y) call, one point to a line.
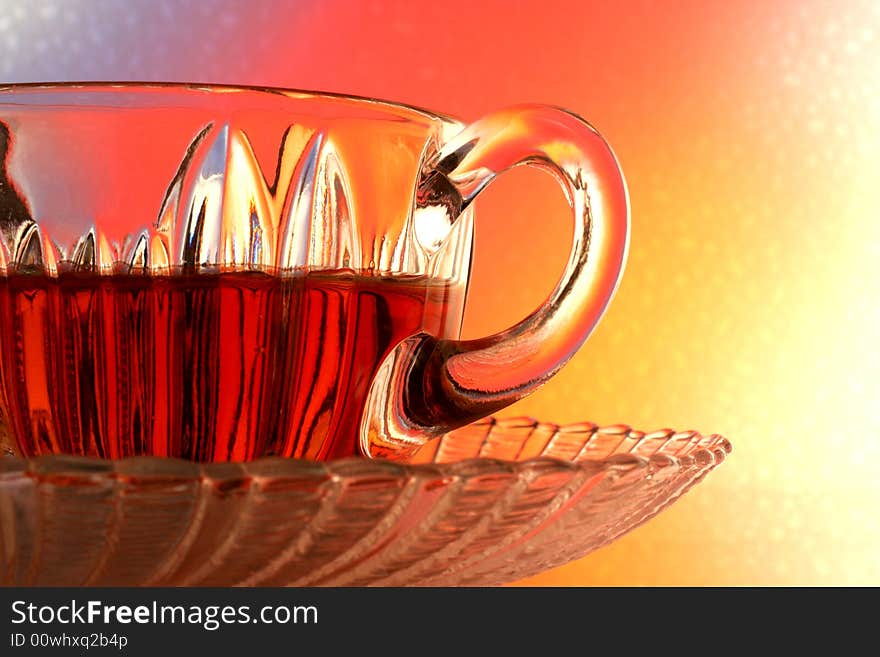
point(709, 449)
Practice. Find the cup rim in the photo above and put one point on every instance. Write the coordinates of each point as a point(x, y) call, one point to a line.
point(141, 85)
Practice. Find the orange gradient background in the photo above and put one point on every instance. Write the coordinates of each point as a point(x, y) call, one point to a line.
point(749, 134)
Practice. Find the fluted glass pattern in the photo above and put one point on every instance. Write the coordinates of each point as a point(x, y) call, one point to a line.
point(490, 503)
point(211, 273)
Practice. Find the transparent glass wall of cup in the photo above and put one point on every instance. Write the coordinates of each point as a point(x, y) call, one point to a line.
point(223, 273)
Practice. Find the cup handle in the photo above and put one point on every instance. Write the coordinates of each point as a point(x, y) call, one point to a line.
point(427, 387)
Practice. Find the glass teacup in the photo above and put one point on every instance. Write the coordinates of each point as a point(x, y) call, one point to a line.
point(221, 273)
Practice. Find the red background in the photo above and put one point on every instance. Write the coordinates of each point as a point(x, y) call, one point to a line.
point(749, 133)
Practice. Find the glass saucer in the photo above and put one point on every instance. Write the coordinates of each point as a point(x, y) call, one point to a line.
point(491, 503)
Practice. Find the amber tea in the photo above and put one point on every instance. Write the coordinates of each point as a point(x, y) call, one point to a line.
point(208, 367)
